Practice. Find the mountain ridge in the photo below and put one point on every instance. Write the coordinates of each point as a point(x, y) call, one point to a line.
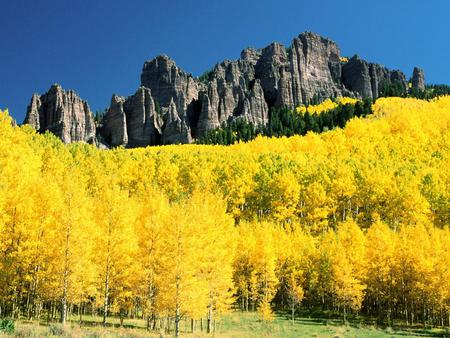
point(173, 106)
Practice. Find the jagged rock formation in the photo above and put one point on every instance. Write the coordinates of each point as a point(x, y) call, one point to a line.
point(176, 129)
point(168, 82)
point(133, 121)
point(172, 106)
point(63, 113)
point(114, 129)
point(418, 79)
point(367, 79)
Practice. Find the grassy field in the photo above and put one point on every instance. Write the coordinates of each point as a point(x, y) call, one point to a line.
point(233, 325)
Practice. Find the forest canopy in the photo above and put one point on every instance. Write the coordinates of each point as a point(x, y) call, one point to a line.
point(354, 220)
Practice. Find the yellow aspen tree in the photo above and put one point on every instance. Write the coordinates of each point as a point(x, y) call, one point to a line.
point(264, 261)
point(194, 269)
point(217, 237)
point(116, 247)
point(294, 259)
point(321, 273)
point(180, 290)
point(42, 230)
point(316, 207)
point(19, 170)
point(286, 195)
point(243, 276)
point(152, 214)
point(381, 246)
point(348, 266)
point(73, 224)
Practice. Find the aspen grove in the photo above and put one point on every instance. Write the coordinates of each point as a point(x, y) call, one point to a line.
point(352, 220)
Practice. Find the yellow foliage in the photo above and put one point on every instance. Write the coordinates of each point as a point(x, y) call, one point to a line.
point(350, 217)
point(326, 105)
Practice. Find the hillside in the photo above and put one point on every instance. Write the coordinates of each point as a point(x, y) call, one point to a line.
point(352, 221)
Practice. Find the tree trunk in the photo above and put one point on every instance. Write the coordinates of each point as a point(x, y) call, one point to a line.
point(293, 310)
point(153, 321)
point(64, 303)
point(65, 279)
point(177, 309)
point(121, 315)
point(81, 312)
point(106, 303)
point(209, 320)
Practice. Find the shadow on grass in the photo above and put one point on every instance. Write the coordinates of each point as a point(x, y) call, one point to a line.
point(87, 323)
point(405, 331)
point(311, 321)
point(331, 319)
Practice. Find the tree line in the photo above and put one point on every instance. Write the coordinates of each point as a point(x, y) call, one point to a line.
point(288, 122)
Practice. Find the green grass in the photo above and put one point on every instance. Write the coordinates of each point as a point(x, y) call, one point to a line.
point(236, 324)
point(249, 325)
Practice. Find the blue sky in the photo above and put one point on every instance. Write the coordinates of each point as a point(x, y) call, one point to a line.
point(97, 47)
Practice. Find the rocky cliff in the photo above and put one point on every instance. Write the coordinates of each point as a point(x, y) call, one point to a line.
point(366, 79)
point(63, 113)
point(172, 106)
point(418, 79)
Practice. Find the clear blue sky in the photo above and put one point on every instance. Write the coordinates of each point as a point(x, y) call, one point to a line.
point(97, 47)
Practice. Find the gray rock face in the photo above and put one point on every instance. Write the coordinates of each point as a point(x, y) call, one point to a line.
point(255, 108)
point(114, 129)
point(132, 122)
point(144, 124)
point(418, 79)
point(172, 106)
point(315, 68)
point(225, 95)
point(356, 77)
point(251, 55)
point(176, 130)
point(367, 79)
point(168, 82)
point(63, 113)
point(267, 70)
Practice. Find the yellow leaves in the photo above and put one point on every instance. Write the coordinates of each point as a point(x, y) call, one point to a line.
point(193, 266)
point(255, 264)
point(380, 244)
point(265, 311)
point(326, 105)
point(316, 207)
point(343, 59)
point(345, 252)
point(162, 218)
point(286, 191)
point(418, 119)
